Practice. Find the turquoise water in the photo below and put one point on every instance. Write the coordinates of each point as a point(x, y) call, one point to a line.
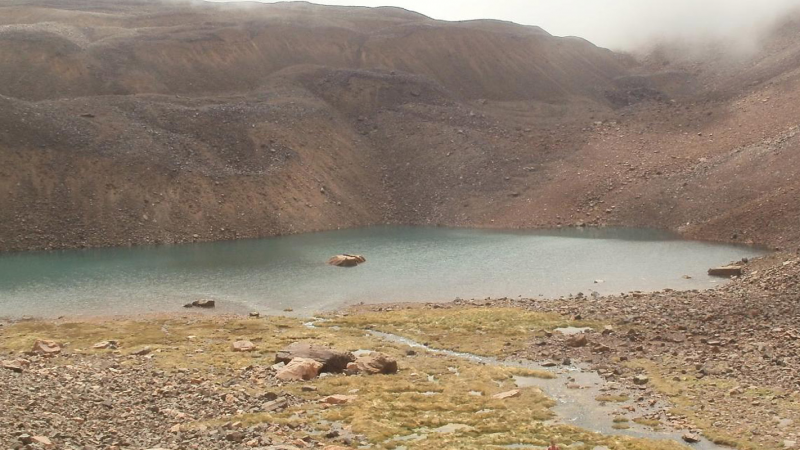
point(403, 264)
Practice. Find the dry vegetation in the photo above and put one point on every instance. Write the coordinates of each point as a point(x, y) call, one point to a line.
point(429, 392)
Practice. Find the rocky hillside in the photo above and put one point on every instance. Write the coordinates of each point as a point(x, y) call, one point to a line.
point(139, 121)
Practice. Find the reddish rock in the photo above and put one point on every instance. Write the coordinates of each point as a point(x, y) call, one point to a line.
point(376, 363)
point(299, 369)
point(46, 347)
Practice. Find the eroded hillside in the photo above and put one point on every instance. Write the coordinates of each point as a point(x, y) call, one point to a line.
point(141, 122)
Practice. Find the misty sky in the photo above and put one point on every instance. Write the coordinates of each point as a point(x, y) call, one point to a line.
point(617, 24)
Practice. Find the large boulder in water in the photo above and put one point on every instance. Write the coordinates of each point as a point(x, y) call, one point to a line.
point(346, 260)
point(332, 360)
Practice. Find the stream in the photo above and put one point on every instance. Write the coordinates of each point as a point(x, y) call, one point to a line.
point(576, 407)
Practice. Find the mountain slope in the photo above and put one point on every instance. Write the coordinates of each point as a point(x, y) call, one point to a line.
point(137, 122)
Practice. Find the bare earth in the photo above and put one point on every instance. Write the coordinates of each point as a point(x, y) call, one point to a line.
point(139, 122)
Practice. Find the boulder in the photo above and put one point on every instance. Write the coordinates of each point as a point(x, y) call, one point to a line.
point(204, 303)
point(299, 369)
point(579, 340)
point(346, 260)
point(243, 346)
point(332, 360)
point(46, 347)
point(726, 271)
point(377, 363)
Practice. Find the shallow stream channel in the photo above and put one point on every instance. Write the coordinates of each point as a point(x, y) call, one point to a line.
point(575, 389)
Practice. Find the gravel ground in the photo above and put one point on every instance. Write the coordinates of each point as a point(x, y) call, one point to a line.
point(111, 401)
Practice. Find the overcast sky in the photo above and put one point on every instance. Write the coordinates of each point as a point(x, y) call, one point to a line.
point(617, 24)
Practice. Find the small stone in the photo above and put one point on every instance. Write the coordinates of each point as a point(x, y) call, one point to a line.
point(236, 436)
point(243, 346)
point(691, 438)
point(14, 366)
point(105, 345)
point(339, 399)
point(641, 380)
point(274, 405)
point(506, 395)
point(141, 352)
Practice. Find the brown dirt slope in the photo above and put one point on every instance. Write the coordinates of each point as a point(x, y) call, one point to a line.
point(141, 122)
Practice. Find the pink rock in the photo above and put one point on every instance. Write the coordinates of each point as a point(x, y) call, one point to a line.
point(300, 369)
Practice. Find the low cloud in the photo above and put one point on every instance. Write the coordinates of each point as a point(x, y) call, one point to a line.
point(618, 24)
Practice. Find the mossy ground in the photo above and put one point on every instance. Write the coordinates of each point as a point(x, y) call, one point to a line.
point(480, 331)
point(430, 391)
